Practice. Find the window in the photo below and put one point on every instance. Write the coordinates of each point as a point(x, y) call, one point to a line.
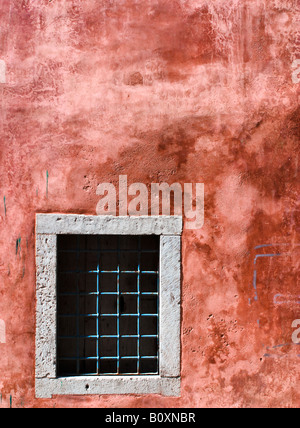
point(108, 305)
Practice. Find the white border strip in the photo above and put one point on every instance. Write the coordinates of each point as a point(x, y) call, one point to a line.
point(170, 299)
point(46, 306)
point(169, 229)
point(108, 385)
point(58, 224)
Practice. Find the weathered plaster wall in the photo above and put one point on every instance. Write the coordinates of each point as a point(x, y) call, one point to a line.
point(161, 90)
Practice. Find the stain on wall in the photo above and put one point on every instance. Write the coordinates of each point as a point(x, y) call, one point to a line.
point(162, 91)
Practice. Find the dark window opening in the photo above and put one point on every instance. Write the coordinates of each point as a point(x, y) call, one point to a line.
point(108, 305)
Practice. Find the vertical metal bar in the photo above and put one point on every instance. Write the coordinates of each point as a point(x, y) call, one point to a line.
point(118, 309)
point(77, 310)
point(158, 320)
point(98, 308)
point(138, 306)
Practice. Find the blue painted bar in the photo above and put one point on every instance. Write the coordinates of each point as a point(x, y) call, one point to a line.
point(77, 313)
point(138, 307)
point(133, 272)
point(98, 310)
point(118, 310)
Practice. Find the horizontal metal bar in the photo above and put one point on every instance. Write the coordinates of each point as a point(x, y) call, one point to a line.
point(105, 315)
point(134, 336)
point(107, 358)
point(109, 374)
point(77, 358)
point(107, 251)
point(111, 293)
point(135, 357)
point(130, 293)
point(144, 272)
point(93, 336)
point(128, 315)
point(121, 336)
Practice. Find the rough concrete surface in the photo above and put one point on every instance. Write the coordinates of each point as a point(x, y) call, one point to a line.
point(187, 91)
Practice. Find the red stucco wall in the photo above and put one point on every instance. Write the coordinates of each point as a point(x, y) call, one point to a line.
point(188, 91)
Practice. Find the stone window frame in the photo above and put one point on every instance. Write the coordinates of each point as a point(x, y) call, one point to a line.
point(168, 382)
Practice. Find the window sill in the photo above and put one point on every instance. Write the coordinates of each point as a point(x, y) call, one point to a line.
point(108, 385)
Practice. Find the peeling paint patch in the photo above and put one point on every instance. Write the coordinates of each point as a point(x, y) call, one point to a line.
point(2, 71)
point(296, 72)
point(2, 332)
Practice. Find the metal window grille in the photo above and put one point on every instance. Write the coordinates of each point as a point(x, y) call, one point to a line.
point(108, 305)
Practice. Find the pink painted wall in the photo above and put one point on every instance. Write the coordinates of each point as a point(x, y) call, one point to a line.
point(162, 90)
